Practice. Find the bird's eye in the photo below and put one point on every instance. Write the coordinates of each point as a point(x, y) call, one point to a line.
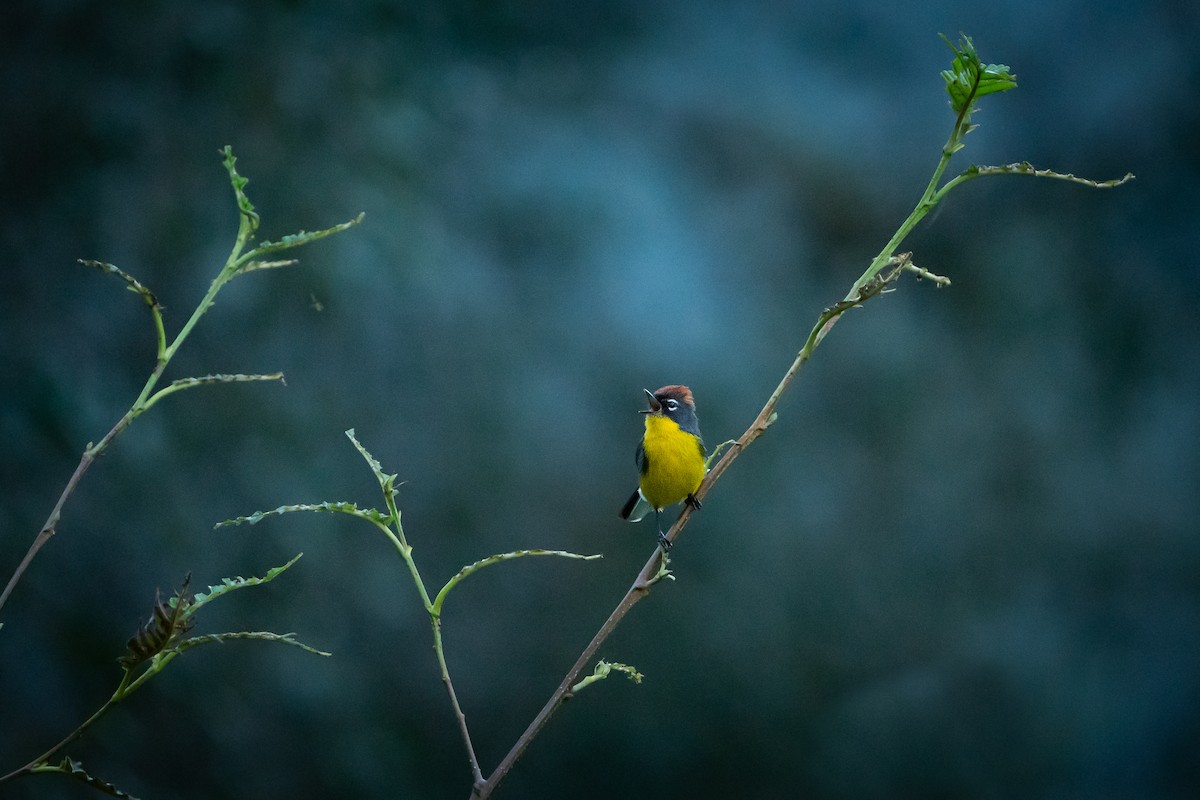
point(672, 405)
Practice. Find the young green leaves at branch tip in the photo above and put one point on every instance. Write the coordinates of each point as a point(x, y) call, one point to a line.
point(969, 79)
point(966, 81)
point(603, 670)
point(386, 482)
point(239, 264)
point(239, 186)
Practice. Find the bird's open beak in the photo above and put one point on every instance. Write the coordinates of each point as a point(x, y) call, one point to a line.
point(652, 401)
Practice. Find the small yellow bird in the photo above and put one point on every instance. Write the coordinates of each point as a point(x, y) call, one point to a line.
point(670, 457)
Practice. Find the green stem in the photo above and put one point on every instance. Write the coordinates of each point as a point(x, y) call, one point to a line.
point(404, 548)
point(246, 228)
point(929, 198)
point(41, 760)
point(157, 664)
point(160, 333)
point(476, 774)
point(50, 526)
point(435, 620)
point(165, 353)
point(126, 687)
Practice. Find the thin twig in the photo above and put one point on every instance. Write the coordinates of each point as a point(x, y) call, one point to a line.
point(237, 261)
point(50, 527)
point(438, 647)
point(72, 736)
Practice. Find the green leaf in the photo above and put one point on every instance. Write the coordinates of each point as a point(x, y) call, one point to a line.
point(369, 514)
point(262, 636)
point(253, 265)
point(204, 380)
point(207, 380)
point(716, 451)
point(233, 584)
point(1025, 168)
point(239, 186)
point(496, 559)
point(134, 285)
point(297, 240)
point(968, 78)
point(386, 482)
point(74, 769)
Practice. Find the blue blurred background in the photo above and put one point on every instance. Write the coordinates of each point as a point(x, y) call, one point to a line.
point(964, 562)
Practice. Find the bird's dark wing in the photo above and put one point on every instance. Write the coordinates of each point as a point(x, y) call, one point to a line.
point(640, 458)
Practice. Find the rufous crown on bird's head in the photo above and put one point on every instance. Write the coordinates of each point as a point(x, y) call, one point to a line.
point(678, 391)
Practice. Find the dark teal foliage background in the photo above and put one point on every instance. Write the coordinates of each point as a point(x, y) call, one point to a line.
point(964, 563)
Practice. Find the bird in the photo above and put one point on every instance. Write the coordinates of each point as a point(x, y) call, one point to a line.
point(670, 457)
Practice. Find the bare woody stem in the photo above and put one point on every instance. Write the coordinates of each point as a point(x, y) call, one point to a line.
point(50, 527)
point(639, 589)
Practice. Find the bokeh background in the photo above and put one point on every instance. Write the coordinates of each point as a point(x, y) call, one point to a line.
point(964, 562)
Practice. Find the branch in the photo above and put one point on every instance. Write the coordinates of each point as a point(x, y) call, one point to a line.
point(496, 559)
point(653, 570)
point(50, 527)
point(1025, 168)
point(966, 81)
point(236, 263)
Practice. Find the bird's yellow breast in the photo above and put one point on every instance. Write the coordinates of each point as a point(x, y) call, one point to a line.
point(676, 462)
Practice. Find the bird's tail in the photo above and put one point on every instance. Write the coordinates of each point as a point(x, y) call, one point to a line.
point(636, 507)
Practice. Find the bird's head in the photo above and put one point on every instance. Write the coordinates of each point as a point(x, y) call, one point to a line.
point(674, 402)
